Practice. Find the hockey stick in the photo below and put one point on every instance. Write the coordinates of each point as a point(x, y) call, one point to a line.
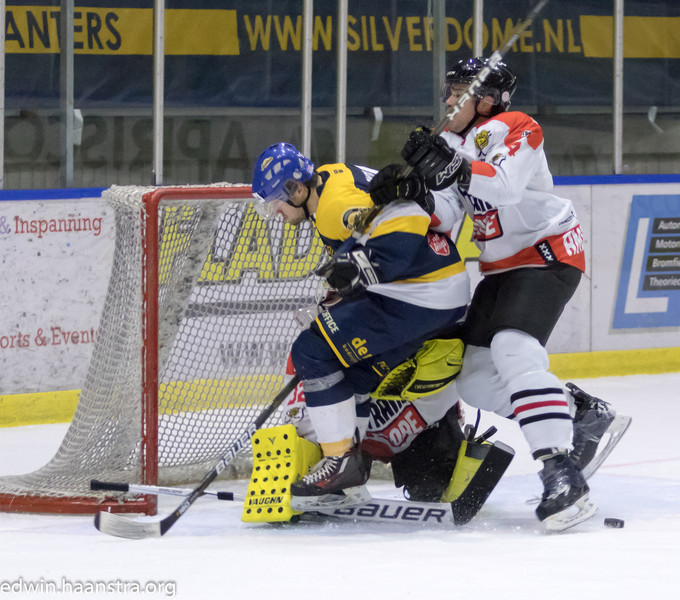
point(114, 524)
point(154, 490)
point(472, 88)
point(376, 510)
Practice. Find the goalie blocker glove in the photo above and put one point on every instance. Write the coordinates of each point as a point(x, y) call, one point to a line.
point(431, 157)
point(350, 273)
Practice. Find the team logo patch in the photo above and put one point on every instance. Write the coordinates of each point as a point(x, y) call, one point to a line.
point(353, 217)
point(498, 159)
point(486, 227)
point(438, 243)
point(545, 250)
point(482, 140)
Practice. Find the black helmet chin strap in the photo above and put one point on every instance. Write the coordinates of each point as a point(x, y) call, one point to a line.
point(469, 126)
point(466, 129)
point(303, 206)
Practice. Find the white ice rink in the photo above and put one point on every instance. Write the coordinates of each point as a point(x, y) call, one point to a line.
point(502, 555)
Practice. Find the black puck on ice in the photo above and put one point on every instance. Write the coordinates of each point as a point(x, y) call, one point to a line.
point(615, 523)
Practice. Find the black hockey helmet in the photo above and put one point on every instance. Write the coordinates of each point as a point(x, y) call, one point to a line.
point(501, 83)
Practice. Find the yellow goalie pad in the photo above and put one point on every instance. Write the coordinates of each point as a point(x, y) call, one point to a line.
point(470, 458)
point(478, 469)
point(432, 368)
point(280, 457)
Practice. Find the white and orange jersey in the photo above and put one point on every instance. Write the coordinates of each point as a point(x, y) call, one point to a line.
point(517, 220)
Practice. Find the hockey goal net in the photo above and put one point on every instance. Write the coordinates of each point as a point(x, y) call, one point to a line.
point(193, 341)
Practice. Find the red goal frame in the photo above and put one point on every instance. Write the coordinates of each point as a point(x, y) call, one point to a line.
point(146, 504)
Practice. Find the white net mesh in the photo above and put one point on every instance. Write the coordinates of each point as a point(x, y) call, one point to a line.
point(229, 288)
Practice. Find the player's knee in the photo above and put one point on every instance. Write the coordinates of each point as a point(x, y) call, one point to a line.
point(312, 357)
point(479, 383)
point(516, 354)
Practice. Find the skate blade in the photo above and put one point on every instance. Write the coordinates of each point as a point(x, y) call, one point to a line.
point(348, 497)
point(615, 432)
point(582, 510)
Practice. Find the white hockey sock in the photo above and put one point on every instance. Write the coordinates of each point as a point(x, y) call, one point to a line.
point(335, 425)
point(538, 400)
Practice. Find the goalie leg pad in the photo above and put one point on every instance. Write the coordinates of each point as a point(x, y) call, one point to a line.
point(479, 468)
point(426, 466)
point(280, 457)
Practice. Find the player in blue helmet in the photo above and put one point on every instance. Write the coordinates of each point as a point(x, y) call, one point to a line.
point(277, 171)
point(397, 286)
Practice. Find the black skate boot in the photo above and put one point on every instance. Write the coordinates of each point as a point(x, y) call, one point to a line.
point(334, 480)
point(565, 500)
point(593, 420)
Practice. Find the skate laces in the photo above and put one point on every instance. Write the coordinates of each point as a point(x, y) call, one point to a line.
point(329, 467)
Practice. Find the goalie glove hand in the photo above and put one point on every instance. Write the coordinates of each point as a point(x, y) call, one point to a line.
point(431, 157)
point(350, 273)
point(387, 186)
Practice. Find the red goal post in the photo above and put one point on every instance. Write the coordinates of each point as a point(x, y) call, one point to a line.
point(193, 340)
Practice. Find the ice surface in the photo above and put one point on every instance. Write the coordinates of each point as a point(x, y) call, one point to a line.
point(502, 554)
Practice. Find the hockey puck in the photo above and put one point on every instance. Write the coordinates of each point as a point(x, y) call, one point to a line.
point(615, 523)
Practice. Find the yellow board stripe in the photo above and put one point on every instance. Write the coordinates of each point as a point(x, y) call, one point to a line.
point(643, 37)
point(197, 395)
point(615, 363)
point(59, 407)
point(39, 408)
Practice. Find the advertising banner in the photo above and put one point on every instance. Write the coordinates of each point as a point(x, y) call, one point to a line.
point(649, 287)
point(242, 53)
point(56, 259)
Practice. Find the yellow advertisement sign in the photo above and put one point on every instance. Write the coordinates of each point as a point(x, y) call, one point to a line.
point(35, 30)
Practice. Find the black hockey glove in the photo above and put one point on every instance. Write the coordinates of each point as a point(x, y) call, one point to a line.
point(387, 185)
point(350, 273)
point(432, 159)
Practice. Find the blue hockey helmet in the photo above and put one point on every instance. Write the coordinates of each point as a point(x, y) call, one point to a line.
point(276, 169)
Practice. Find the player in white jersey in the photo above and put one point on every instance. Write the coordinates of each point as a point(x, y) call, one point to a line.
point(490, 164)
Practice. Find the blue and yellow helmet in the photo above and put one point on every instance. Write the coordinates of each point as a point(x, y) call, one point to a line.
point(276, 168)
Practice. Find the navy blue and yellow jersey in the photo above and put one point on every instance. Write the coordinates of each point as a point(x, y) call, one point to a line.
point(343, 200)
point(416, 265)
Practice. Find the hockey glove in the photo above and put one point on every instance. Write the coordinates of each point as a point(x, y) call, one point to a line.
point(350, 273)
point(387, 185)
point(433, 160)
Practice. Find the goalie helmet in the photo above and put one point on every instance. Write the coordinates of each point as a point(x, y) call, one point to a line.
point(276, 169)
point(501, 83)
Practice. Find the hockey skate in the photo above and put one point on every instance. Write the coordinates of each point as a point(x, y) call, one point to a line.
point(594, 420)
point(565, 500)
point(334, 481)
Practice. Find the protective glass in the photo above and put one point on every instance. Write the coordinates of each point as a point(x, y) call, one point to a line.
point(265, 206)
point(455, 89)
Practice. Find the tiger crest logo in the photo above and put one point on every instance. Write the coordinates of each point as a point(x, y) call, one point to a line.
point(354, 217)
point(482, 140)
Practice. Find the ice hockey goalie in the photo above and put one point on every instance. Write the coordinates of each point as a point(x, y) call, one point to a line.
point(421, 438)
